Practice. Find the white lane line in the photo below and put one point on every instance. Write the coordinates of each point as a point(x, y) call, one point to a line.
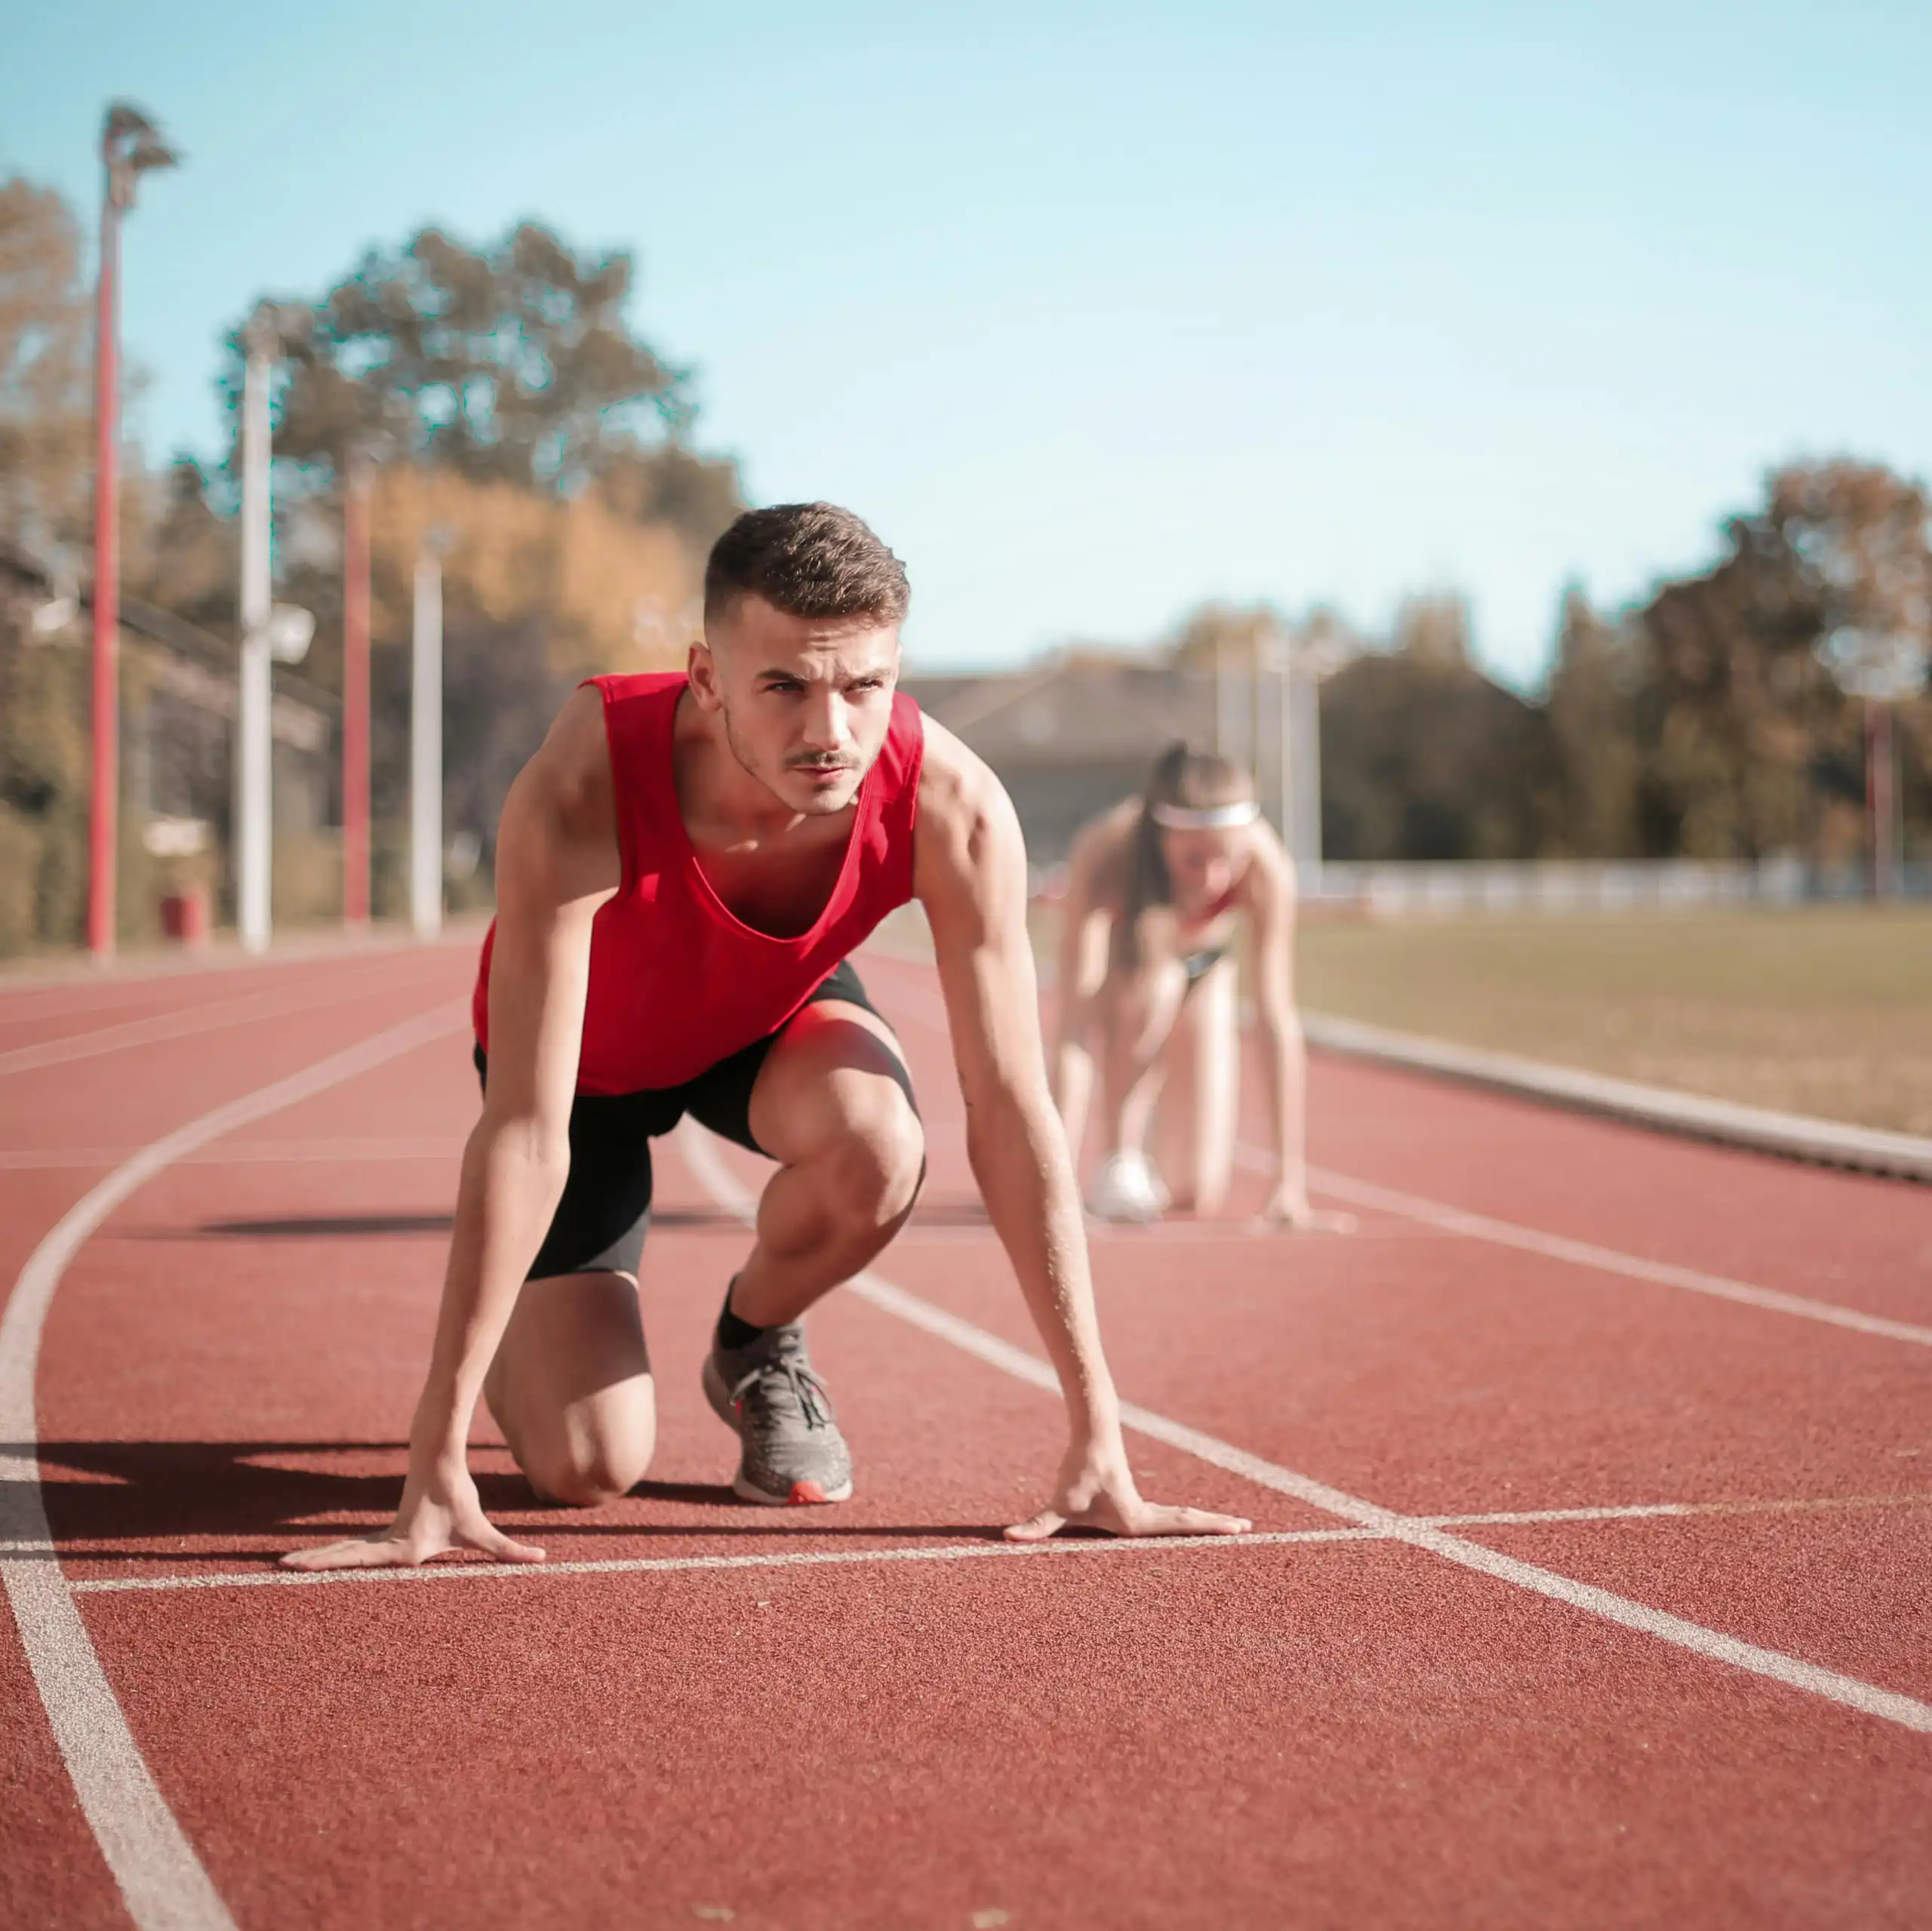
point(1647, 1510)
point(160, 1876)
point(457, 1572)
point(1587, 1253)
point(251, 1578)
point(700, 1152)
point(273, 1002)
point(263, 1153)
point(926, 1007)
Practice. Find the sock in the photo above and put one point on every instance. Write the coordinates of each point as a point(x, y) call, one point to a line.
point(733, 1334)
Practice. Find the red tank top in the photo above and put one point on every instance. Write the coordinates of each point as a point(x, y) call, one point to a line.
point(677, 983)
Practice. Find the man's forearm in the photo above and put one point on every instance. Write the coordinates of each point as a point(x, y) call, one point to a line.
point(1018, 1155)
point(510, 1189)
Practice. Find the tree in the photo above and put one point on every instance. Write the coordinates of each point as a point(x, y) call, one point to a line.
point(1591, 708)
point(538, 593)
point(1747, 735)
point(1219, 634)
point(45, 360)
point(509, 408)
point(511, 362)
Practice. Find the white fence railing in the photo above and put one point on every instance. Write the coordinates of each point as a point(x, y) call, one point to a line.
point(1554, 886)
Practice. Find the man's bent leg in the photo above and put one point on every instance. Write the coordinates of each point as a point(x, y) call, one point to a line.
point(570, 1388)
point(829, 1106)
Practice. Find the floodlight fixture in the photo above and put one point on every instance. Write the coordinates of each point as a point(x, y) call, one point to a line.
point(131, 145)
point(288, 633)
point(1882, 667)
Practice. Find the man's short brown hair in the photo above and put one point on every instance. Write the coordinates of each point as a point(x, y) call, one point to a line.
point(807, 559)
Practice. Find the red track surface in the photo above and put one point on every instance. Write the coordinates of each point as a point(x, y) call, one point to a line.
point(1323, 1732)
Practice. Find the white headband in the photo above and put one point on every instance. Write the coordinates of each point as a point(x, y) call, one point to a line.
point(1216, 818)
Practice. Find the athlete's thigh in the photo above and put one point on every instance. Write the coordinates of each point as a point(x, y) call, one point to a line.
point(1139, 1008)
point(1215, 1083)
point(836, 1069)
point(1175, 1109)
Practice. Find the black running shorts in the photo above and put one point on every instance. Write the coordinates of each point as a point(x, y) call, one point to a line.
point(601, 1220)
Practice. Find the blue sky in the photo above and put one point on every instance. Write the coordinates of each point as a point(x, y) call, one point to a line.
point(1097, 311)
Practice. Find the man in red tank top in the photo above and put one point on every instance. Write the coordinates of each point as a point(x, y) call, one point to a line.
point(682, 869)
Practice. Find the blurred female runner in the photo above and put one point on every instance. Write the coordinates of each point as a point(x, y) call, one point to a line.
point(1157, 891)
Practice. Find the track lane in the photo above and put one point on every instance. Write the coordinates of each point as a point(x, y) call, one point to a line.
point(1546, 1849)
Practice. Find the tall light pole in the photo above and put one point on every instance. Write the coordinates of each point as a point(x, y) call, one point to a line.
point(131, 146)
point(426, 742)
point(355, 691)
point(1881, 669)
point(270, 633)
point(254, 831)
point(1224, 697)
point(1301, 660)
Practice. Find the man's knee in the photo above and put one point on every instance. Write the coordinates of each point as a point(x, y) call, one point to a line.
point(876, 1167)
point(586, 1475)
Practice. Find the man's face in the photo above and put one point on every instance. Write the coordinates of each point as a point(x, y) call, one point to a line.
point(806, 701)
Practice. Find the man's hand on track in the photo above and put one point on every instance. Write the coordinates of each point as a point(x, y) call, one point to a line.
point(1095, 1494)
point(438, 1514)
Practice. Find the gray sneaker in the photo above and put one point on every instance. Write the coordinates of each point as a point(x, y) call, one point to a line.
point(792, 1449)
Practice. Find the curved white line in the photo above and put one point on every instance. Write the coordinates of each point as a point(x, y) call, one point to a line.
point(160, 1876)
point(271, 1002)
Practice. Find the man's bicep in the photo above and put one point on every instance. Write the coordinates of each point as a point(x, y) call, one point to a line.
point(540, 967)
point(975, 897)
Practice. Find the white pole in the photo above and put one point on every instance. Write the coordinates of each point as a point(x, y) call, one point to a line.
point(1285, 750)
point(1307, 692)
point(425, 751)
point(254, 829)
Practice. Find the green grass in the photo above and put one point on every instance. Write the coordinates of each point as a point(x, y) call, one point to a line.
point(1825, 1011)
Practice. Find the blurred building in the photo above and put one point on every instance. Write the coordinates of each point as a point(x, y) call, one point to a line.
point(1070, 738)
point(178, 693)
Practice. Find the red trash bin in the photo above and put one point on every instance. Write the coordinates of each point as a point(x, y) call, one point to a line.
point(184, 915)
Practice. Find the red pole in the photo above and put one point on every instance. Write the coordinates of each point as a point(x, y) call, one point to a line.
point(355, 695)
point(102, 814)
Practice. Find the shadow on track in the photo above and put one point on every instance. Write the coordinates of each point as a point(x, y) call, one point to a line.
point(958, 1213)
point(145, 1499)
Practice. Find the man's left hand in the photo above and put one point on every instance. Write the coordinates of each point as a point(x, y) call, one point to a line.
point(1097, 1492)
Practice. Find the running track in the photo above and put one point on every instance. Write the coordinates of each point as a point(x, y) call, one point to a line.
point(1591, 1480)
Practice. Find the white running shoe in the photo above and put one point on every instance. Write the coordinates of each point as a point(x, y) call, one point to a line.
point(1127, 1189)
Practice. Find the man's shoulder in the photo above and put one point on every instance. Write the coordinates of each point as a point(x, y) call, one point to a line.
point(571, 772)
point(957, 786)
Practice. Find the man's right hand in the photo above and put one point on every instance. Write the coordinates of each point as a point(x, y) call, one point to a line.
point(439, 1511)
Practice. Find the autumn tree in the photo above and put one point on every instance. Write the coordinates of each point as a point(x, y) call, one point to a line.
point(1749, 738)
point(507, 408)
point(1593, 689)
point(45, 359)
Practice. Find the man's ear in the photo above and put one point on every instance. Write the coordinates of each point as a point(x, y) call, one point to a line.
point(702, 669)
